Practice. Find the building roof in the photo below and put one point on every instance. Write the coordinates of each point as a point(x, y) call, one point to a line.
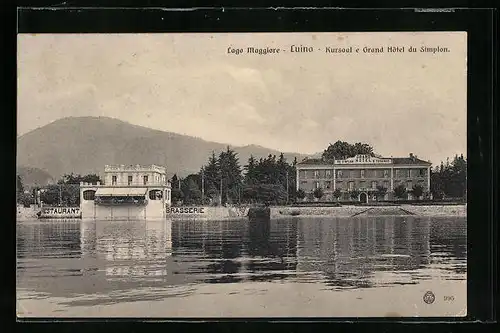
point(315, 161)
point(136, 167)
point(409, 161)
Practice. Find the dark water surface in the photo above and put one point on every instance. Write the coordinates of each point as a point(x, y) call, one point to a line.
point(123, 261)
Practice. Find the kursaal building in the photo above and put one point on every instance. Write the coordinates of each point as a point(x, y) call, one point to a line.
point(128, 192)
point(364, 177)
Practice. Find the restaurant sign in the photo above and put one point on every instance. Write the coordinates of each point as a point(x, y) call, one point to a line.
point(60, 212)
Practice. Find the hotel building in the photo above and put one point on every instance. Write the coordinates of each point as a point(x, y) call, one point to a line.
point(363, 174)
point(128, 192)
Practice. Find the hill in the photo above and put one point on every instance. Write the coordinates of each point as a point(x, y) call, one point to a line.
point(85, 144)
point(33, 176)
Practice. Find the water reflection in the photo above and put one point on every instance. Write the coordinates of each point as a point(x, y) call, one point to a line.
point(104, 257)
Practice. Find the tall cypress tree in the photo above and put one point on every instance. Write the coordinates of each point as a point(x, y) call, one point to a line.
point(250, 171)
point(231, 177)
point(212, 176)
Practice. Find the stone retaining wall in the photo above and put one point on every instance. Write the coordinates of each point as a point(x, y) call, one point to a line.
point(26, 214)
point(452, 210)
point(346, 211)
point(207, 213)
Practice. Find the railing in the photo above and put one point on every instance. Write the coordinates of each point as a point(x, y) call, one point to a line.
point(139, 183)
point(142, 168)
point(367, 161)
point(119, 202)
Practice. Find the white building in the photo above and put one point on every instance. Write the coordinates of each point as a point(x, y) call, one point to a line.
point(129, 192)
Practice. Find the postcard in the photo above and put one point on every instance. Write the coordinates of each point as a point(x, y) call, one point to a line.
point(224, 175)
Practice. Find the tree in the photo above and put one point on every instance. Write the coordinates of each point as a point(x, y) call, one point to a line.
point(300, 194)
point(342, 150)
point(75, 179)
point(265, 193)
point(318, 193)
point(337, 193)
point(400, 191)
point(176, 195)
point(381, 191)
point(50, 195)
point(450, 179)
point(354, 194)
point(91, 178)
point(230, 173)
point(68, 187)
point(190, 189)
point(212, 177)
point(417, 191)
point(19, 185)
point(174, 181)
point(25, 199)
point(211, 191)
point(250, 171)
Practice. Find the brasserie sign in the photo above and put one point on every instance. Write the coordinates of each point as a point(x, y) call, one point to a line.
point(185, 210)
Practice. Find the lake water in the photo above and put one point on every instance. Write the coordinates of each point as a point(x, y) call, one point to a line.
point(366, 266)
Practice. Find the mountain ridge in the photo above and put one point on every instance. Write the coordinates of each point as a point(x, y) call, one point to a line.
point(85, 144)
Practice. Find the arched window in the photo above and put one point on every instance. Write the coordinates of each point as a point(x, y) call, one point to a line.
point(155, 195)
point(88, 195)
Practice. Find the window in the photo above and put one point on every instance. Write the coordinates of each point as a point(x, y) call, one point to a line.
point(316, 184)
point(130, 180)
point(145, 180)
point(351, 186)
point(421, 172)
point(362, 173)
point(88, 195)
point(155, 195)
point(362, 185)
point(408, 185)
point(339, 173)
point(328, 173)
point(328, 184)
point(316, 173)
point(305, 173)
point(113, 180)
point(386, 173)
point(408, 174)
point(386, 184)
point(374, 185)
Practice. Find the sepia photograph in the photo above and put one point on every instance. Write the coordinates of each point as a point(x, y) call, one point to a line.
point(231, 175)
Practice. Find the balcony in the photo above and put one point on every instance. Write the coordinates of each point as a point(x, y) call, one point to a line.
point(120, 201)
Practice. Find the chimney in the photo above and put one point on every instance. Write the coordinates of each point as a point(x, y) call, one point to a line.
point(411, 155)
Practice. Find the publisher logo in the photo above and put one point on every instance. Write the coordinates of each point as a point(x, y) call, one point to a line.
point(429, 297)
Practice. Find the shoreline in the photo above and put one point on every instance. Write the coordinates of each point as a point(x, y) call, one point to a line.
point(278, 212)
point(353, 211)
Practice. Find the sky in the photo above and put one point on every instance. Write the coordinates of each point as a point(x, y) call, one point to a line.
point(293, 102)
